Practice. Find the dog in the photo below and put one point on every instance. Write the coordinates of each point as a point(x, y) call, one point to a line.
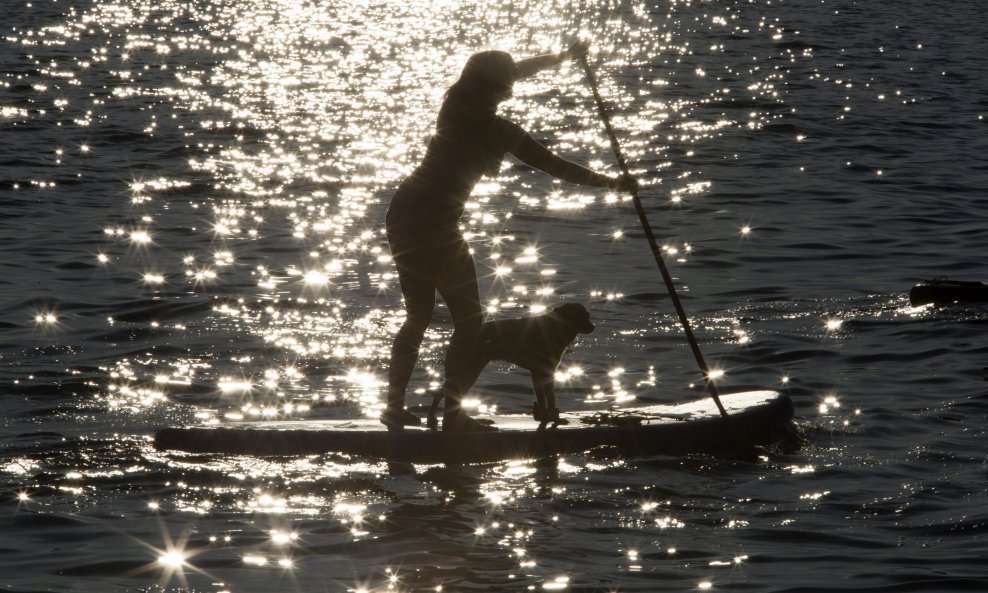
point(533, 343)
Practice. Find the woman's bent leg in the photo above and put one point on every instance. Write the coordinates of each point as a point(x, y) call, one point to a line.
point(459, 290)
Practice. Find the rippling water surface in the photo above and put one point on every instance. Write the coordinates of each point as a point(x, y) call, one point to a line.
point(192, 206)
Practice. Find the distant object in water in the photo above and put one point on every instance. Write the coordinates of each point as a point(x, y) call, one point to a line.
point(942, 291)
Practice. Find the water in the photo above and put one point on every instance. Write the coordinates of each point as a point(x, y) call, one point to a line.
point(192, 205)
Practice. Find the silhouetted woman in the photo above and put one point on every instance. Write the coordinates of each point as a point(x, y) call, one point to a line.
point(422, 221)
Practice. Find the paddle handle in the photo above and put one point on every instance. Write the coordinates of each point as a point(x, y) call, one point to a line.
point(656, 252)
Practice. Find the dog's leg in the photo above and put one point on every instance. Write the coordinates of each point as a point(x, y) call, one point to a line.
point(552, 412)
point(541, 410)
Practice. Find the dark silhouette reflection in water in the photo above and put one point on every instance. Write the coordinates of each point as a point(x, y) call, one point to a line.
point(429, 251)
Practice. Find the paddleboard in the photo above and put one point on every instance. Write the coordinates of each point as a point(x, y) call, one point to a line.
point(756, 418)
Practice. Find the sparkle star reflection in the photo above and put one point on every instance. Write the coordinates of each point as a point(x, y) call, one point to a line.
point(174, 559)
point(46, 318)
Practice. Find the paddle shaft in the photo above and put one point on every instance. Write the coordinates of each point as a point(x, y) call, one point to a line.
point(656, 252)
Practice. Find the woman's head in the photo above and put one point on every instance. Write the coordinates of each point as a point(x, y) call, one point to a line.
point(487, 79)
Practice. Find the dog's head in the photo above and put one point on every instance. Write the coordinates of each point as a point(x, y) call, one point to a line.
point(576, 315)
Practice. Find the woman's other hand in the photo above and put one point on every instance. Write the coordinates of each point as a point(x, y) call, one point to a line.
point(578, 49)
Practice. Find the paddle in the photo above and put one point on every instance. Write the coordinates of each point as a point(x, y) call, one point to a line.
point(622, 162)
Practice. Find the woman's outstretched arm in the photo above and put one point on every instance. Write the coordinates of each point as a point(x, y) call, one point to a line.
point(535, 64)
point(534, 154)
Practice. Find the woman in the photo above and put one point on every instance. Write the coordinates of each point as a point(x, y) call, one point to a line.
point(422, 221)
